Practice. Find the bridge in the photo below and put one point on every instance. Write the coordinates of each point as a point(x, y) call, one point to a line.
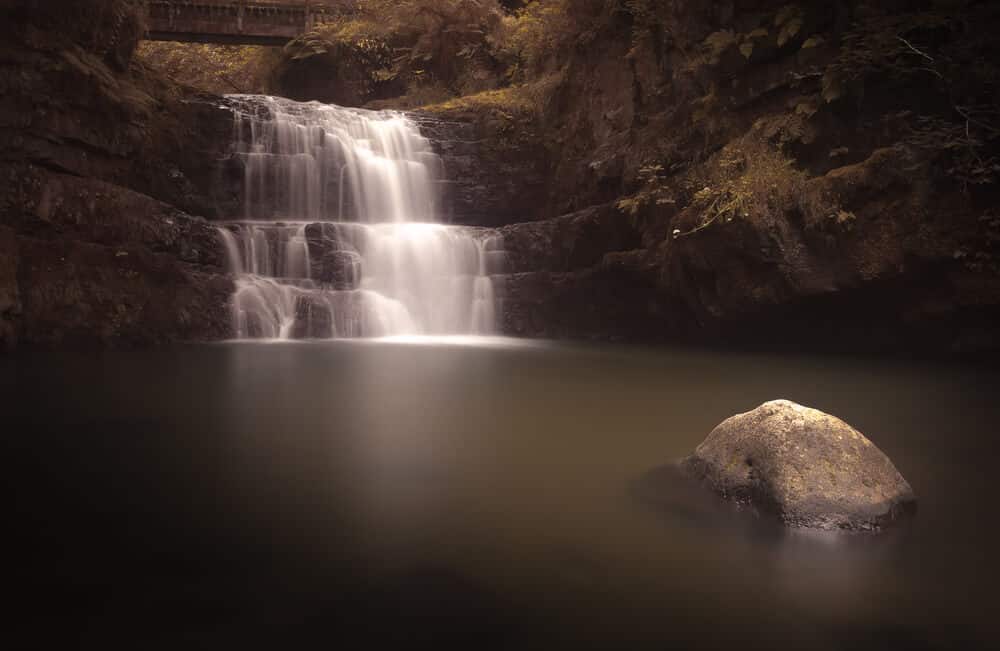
point(238, 22)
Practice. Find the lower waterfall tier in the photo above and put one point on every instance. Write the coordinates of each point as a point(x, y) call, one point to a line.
point(321, 280)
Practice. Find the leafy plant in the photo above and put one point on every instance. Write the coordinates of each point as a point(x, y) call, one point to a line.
point(212, 68)
point(965, 147)
point(752, 180)
point(788, 22)
point(883, 45)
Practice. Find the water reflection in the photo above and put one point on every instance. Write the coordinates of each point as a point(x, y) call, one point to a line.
point(320, 490)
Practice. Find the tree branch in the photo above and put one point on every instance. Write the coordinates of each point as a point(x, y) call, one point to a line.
point(920, 52)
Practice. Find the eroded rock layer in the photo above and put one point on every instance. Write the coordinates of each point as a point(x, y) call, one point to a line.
point(101, 163)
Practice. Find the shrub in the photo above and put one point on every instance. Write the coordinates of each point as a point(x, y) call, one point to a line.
point(216, 69)
point(949, 66)
point(748, 179)
point(109, 28)
point(424, 43)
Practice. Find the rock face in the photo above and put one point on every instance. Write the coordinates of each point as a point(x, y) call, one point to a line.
point(569, 243)
point(335, 263)
point(101, 163)
point(87, 263)
point(339, 269)
point(579, 275)
point(10, 299)
point(312, 319)
point(779, 191)
point(496, 165)
point(806, 467)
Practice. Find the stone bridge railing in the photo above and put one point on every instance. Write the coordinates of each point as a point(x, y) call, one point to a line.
point(244, 22)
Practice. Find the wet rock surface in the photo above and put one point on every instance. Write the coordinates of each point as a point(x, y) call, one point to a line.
point(312, 319)
point(808, 468)
point(103, 164)
point(89, 263)
point(10, 297)
point(334, 262)
point(496, 165)
point(568, 243)
point(580, 275)
point(338, 269)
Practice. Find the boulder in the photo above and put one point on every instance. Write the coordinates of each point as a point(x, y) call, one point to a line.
point(323, 237)
point(313, 318)
point(495, 162)
point(338, 269)
point(808, 468)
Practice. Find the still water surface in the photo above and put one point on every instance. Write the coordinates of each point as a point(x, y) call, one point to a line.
point(476, 494)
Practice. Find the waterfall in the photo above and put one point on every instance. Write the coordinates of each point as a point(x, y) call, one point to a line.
point(339, 236)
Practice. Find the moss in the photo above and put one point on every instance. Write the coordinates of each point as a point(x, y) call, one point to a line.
point(514, 99)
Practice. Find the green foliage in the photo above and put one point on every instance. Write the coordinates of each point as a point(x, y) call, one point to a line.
point(213, 68)
point(747, 179)
point(426, 47)
point(716, 44)
point(883, 45)
point(537, 40)
point(507, 101)
point(963, 147)
point(108, 28)
point(950, 74)
point(531, 37)
point(441, 49)
point(788, 21)
point(655, 191)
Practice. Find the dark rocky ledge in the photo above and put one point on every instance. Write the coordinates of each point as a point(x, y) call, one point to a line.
point(496, 168)
point(87, 263)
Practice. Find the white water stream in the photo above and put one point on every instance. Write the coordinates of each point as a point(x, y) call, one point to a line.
point(338, 236)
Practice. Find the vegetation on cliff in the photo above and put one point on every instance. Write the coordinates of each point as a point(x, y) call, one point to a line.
point(808, 159)
point(219, 69)
point(110, 29)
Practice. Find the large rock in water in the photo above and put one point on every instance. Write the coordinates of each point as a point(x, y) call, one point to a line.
point(807, 467)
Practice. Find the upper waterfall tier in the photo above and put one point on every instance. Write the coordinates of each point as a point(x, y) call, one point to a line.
point(310, 161)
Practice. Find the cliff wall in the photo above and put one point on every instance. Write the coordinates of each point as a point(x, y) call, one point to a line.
point(816, 174)
point(103, 163)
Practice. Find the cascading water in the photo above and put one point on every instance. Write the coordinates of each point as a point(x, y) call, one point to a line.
point(338, 236)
